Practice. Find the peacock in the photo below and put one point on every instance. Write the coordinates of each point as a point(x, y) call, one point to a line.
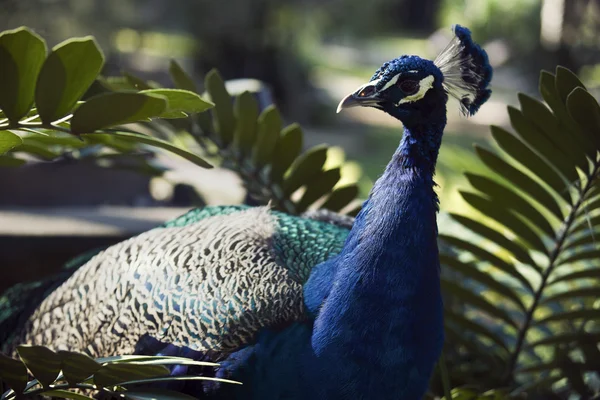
point(296, 307)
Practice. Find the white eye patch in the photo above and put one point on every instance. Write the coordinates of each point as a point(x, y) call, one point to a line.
point(424, 85)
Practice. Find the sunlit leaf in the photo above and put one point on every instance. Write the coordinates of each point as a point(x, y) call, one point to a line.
point(181, 79)
point(111, 109)
point(318, 187)
point(563, 338)
point(287, 149)
point(305, 167)
point(591, 273)
point(136, 83)
point(573, 294)
point(43, 363)
point(570, 316)
point(67, 73)
point(341, 197)
point(246, 112)
point(77, 367)
point(22, 53)
point(580, 255)
point(8, 141)
point(180, 103)
point(269, 126)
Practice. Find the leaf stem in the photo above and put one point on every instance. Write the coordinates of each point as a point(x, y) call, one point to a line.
point(553, 256)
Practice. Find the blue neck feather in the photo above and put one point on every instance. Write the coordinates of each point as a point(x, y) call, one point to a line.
point(379, 330)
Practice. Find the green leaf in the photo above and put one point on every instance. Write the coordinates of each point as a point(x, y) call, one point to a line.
point(585, 110)
point(519, 179)
point(136, 83)
point(115, 374)
point(588, 224)
point(570, 316)
point(494, 260)
point(22, 53)
point(66, 394)
point(551, 96)
point(467, 296)
point(43, 363)
point(538, 114)
point(580, 255)
point(591, 273)
point(13, 372)
point(153, 394)
point(180, 103)
point(68, 72)
point(511, 200)
point(584, 240)
point(318, 187)
point(341, 197)
point(8, 141)
point(573, 294)
point(77, 367)
point(566, 81)
point(111, 109)
point(223, 111)
point(163, 144)
point(246, 112)
point(477, 328)
point(538, 141)
point(159, 359)
point(304, 168)
point(495, 211)
point(180, 78)
point(472, 272)
point(178, 378)
point(524, 155)
point(269, 126)
point(518, 251)
point(38, 150)
point(286, 151)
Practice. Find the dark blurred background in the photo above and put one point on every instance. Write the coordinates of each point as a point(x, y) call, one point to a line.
point(309, 54)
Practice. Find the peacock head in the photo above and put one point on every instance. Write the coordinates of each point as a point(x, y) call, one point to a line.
point(413, 89)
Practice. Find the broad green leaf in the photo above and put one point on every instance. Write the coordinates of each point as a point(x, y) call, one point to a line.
point(519, 179)
point(38, 150)
point(477, 328)
point(178, 378)
point(8, 141)
point(477, 301)
point(318, 187)
point(569, 316)
point(286, 151)
point(518, 251)
point(590, 273)
point(155, 142)
point(494, 210)
point(580, 255)
point(180, 103)
point(115, 83)
point(180, 78)
point(68, 72)
point(246, 112)
point(469, 270)
point(56, 139)
point(566, 81)
point(563, 338)
point(304, 168)
point(145, 359)
point(538, 114)
point(13, 372)
point(524, 155)
point(511, 200)
point(573, 294)
point(568, 126)
point(538, 141)
point(77, 367)
point(223, 111)
point(585, 110)
point(485, 255)
point(8, 161)
point(153, 394)
point(111, 109)
point(341, 197)
point(43, 363)
point(269, 126)
point(22, 53)
point(66, 394)
point(115, 374)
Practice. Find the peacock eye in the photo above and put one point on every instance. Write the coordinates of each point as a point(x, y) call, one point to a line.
point(409, 86)
point(367, 91)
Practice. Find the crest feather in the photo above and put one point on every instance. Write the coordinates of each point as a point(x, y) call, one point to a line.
point(467, 71)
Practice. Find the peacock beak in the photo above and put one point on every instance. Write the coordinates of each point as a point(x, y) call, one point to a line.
point(364, 96)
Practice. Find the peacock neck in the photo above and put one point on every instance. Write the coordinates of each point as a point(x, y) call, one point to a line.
point(381, 322)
